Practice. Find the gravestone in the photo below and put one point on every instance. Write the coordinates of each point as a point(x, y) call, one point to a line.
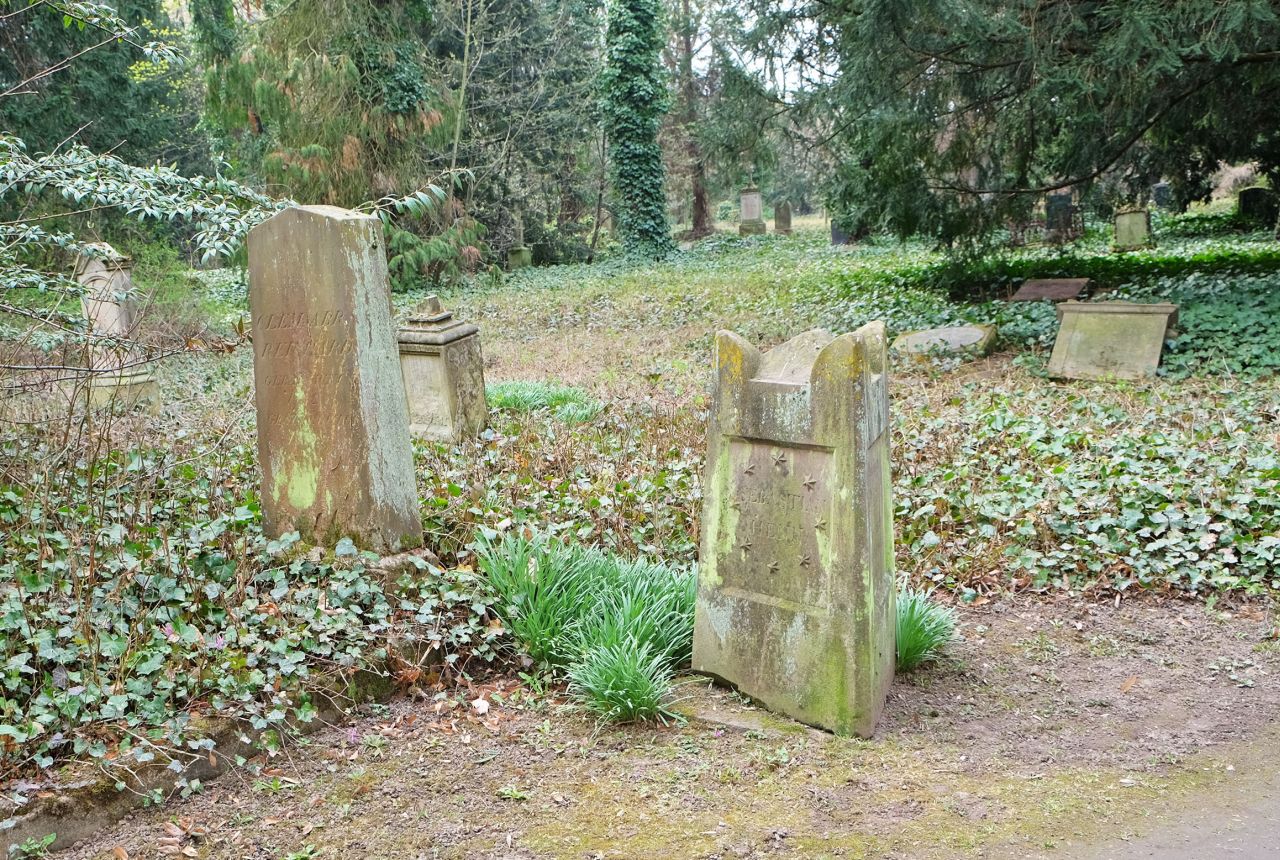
point(1059, 216)
point(1110, 340)
point(443, 375)
point(1258, 204)
point(1133, 230)
point(951, 340)
point(333, 426)
point(1162, 195)
point(518, 256)
point(838, 235)
point(782, 218)
point(1051, 289)
point(751, 213)
point(795, 586)
point(109, 304)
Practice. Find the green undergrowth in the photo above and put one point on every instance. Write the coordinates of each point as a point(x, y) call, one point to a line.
point(924, 628)
point(617, 629)
point(569, 404)
point(137, 591)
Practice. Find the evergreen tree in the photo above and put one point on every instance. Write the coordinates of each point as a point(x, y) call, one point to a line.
point(634, 100)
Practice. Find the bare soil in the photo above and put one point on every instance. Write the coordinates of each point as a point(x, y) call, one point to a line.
point(1057, 729)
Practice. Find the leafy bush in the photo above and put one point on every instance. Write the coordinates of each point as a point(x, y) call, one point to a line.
point(924, 628)
point(616, 628)
point(571, 405)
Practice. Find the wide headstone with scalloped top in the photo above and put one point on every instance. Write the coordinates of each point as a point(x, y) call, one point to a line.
point(795, 583)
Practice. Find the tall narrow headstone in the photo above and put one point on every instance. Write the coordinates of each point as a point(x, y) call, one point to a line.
point(751, 213)
point(782, 218)
point(795, 585)
point(333, 425)
point(1133, 230)
point(443, 375)
point(518, 256)
point(117, 372)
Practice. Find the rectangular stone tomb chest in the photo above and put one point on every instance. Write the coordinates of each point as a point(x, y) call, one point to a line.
point(795, 584)
point(1110, 340)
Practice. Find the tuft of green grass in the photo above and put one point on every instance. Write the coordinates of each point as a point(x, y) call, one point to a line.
point(621, 682)
point(924, 628)
point(618, 629)
point(571, 405)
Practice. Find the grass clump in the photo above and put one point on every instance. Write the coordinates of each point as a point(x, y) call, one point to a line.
point(924, 628)
point(616, 629)
point(571, 405)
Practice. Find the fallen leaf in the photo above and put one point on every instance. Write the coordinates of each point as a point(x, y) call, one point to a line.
point(1128, 683)
point(119, 853)
point(480, 706)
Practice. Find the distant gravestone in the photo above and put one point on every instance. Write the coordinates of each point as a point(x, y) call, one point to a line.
point(1050, 289)
point(795, 585)
point(1258, 204)
point(518, 256)
point(1162, 195)
point(955, 339)
point(333, 427)
point(1133, 230)
point(443, 375)
point(782, 218)
point(751, 213)
point(1110, 340)
point(1059, 216)
point(108, 302)
point(838, 235)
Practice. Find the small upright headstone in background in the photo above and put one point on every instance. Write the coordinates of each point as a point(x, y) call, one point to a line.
point(443, 375)
point(751, 214)
point(1133, 230)
point(796, 586)
point(1051, 289)
point(1258, 204)
point(333, 427)
point(109, 304)
point(1060, 216)
point(838, 235)
point(1110, 340)
point(951, 340)
point(782, 218)
point(518, 256)
point(1162, 195)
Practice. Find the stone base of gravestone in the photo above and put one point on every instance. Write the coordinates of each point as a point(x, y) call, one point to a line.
point(795, 582)
point(519, 258)
point(1050, 289)
point(752, 228)
point(947, 340)
point(333, 424)
point(1133, 231)
point(443, 375)
point(1110, 340)
point(1258, 204)
point(128, 388)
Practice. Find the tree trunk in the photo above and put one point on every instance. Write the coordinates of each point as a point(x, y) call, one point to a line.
point(701, 216)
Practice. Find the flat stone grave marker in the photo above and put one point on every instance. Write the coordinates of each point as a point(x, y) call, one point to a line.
point(1133, 230)
point(1110, 340)
point(795, 586)
point(1051, 289)
point(782, 218)
point(443, 375)
point(333, 424)
point(955, 339)
point(751, 209)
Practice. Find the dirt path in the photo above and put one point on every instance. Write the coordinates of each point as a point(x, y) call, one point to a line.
point(1057, 727)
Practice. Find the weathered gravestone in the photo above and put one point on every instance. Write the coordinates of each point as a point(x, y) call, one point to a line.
point(751, 213)
point(1258, 204)
point(950, 340)
point(117, 373)
point(333, 427)
point(782, 218)
point(443, 375)
point(1162, 195)
point(1060, 216)
point(518, 256)
point(1051, 289)
point(795, 585)
point(838, 235)
point(1133, 230)
point(1110, 340)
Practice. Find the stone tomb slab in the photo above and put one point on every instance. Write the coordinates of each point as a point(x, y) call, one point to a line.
point(1110, 340)
point(333, 423)
point(1050, 289)
point(796, 589)
point(955, 339)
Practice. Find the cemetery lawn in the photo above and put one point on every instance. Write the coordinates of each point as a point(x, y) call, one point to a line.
point(1111, 551)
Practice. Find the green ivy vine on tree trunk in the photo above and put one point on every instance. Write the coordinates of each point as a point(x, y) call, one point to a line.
point(634, 100)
